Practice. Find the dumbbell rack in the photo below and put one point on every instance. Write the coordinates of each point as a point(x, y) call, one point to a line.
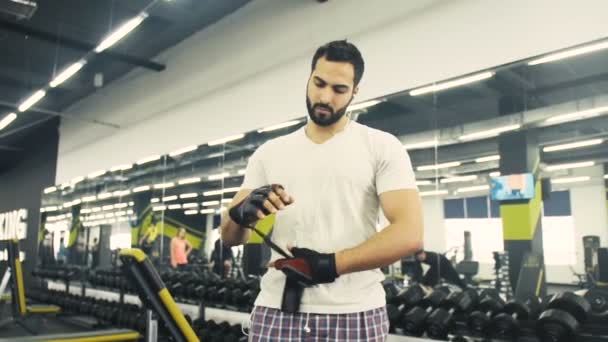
point(502, 282)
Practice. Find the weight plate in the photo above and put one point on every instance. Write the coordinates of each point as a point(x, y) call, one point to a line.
point(598, 298)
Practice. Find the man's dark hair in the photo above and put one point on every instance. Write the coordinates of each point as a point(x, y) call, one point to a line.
point(341, 51)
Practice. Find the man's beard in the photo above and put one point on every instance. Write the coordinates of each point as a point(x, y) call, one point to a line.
point(325, 120)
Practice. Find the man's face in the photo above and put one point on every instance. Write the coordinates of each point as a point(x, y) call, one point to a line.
point(330, 90)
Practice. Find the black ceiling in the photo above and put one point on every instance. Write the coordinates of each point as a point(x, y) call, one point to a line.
point(61, 32)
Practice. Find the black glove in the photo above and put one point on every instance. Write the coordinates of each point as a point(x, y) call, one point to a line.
point(245, 213)
point(322, 266)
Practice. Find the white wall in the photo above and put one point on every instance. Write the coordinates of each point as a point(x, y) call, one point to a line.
point(249, 70)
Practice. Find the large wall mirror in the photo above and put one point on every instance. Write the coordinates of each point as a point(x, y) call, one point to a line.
point(450, 129)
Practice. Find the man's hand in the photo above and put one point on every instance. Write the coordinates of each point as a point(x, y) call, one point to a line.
point(261, 202)
point(322, 266)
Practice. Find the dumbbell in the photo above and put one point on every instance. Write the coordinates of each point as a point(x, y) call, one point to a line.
point(507, 324)
point(439, 322)
point(402, 302)
point(413, 322)
point(598, 298)
point(565, 313)
point(489, 304)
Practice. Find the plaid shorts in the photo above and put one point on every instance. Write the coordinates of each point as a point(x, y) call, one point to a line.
point(273, 325)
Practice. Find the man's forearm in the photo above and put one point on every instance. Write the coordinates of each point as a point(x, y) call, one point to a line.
point(384, 248)
point(233, 234)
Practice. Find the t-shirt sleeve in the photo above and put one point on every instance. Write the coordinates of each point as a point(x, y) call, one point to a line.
point(394, 168)
point(255, 175)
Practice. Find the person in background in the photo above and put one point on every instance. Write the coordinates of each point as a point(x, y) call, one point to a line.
point(147, 241)
point(95, 253)
point(62, 253)
point(221, 261)
point(180, 249)
point(440, 267)
point(45, 249)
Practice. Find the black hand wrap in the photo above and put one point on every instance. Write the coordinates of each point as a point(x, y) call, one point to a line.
point(245, 213)
point(322, 266)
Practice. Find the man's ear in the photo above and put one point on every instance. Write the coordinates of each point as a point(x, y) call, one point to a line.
point(356, 90)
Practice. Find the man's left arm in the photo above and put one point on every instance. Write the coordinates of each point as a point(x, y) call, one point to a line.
point(403, 236)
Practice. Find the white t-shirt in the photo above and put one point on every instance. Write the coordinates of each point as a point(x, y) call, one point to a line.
point(336, 187)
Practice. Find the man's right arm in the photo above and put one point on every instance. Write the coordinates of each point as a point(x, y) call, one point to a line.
point(232, 233)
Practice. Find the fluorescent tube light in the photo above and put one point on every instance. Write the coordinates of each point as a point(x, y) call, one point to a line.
point(7, 120)
point(438, 166)
point(433, 193)
point(489, 133)
point(188, 195)
point(121, 32)
point(164, 185)
point(210, 203)
point(473, 188)
point(279, 126)
point(170, 198)
point(570, 53)
point(583, 114)
point(452, 84)
point(494, 174)
point(567, 180)
point(191, 212)
point(50, 190)
point(141, 188)
point(458, 179)
point(32, 100)
point(363, 105)
point(573, 145)
point(488, 158)
point(67, 73)
point(569, 166)
point(189, 180)
point(219, 176)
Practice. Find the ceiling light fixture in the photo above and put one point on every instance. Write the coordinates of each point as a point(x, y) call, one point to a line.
point(458, 179)
point(452, 84)
point(67, 73)
point(279, 126)
point(32, 100)
point(121, 32)
point(363, 105)
point(570, 53)
point(473, 188)
point(488, 158)
point(189, 180)
point(7, 120)
point(583, 114)
point(569, 166)
point(573, 145)
point(433, 193)
point(568, 180)
point(438, 166)
point(489, 133)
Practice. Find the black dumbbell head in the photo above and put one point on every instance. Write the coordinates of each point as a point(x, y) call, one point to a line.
point(571, 303)
point(410, 296)
point(556, 326)
point(413, 322)
point(439, 323)
point(478, 322)
point(505, 326)
point(598, 298)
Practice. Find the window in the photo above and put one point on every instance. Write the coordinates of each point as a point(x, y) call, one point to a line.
point(481, 217)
